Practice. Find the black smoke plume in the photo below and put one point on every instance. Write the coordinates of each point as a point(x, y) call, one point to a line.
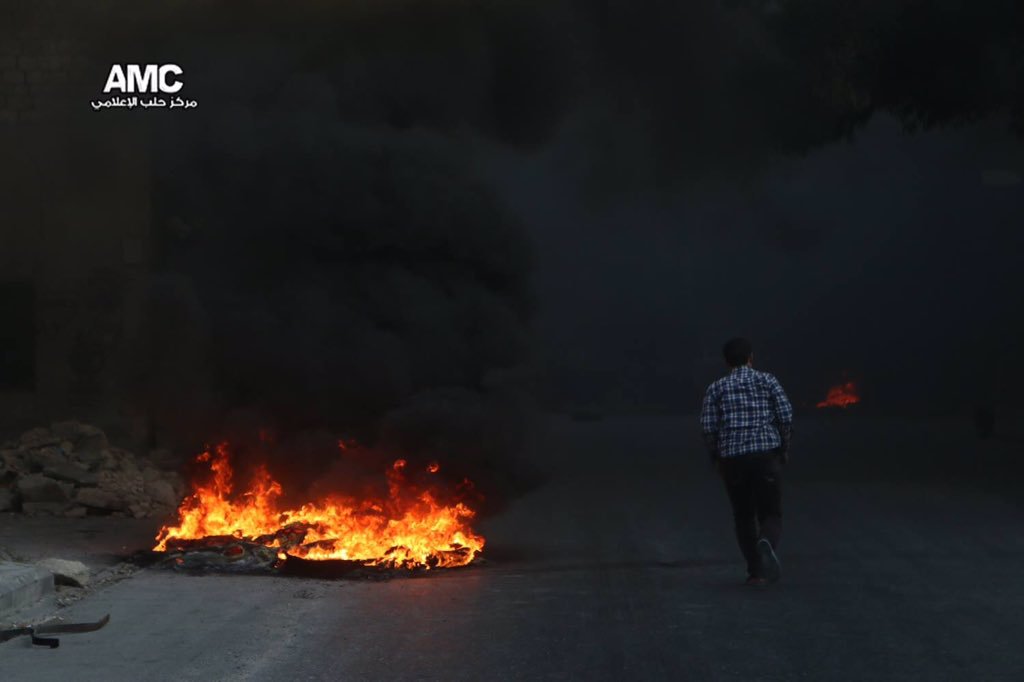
point(328, 264)
point(327, 258)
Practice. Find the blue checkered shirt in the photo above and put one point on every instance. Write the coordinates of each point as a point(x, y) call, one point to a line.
point(746, 411)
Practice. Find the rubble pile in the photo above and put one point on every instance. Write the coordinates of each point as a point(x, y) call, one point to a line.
point(70, 469)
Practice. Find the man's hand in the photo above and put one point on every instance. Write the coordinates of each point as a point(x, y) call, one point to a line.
point(711, 443)
point(713, 457)
point(786, 433)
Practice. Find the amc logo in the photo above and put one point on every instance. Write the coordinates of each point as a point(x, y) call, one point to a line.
point(140, 78)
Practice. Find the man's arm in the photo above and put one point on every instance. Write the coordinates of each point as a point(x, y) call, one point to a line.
point(710, 415)
point(783, 414)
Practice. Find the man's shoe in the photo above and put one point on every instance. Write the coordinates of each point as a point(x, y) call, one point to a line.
point(770, 567)
point(756, 581)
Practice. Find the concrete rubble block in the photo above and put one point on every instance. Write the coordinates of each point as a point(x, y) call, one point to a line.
point(128, 466)
point(121, 483)
point(39, 488)
point(72, 473)
point(41, 458)
point(96, 460)
point(162, 493)
point(22, 585)
point(38, 437)
point(139, 510)
point(92, 443)
point(47, 508)
point(97, 498)
point(13, 460)
point(65, 572)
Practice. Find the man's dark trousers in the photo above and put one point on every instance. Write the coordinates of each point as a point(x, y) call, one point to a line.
point(753, 483)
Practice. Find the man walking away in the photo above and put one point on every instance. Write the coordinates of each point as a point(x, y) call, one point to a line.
point(747, 422)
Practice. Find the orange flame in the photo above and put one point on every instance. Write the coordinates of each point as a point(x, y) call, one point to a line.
point(408, 529)
point(842, 395)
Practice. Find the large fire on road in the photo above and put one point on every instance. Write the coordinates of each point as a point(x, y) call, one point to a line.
point(409, 528)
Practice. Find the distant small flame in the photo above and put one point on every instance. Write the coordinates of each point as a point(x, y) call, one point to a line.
point(842, 395)
point(433, 467)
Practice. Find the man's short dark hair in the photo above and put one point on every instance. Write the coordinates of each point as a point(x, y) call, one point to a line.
point(737, 352)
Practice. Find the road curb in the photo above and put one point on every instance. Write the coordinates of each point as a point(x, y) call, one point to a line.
point(22, 585)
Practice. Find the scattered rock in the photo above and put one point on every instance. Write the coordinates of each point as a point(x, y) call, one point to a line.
point(39, 488)
point(73, 473)
point(72, 573)
point(71, 469)
point(98, 499)
point(67, 595)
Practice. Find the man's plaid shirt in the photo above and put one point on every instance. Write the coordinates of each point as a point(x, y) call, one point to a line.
point(746, 411)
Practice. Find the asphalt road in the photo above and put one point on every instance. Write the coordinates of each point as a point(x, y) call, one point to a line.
point(897, 566)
